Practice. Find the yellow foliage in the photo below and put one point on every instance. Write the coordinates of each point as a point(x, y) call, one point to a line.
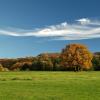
point(76, 55)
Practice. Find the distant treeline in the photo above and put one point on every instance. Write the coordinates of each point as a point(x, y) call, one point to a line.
point(74, 57)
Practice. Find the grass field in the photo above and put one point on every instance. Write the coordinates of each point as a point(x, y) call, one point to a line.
point(50, 85)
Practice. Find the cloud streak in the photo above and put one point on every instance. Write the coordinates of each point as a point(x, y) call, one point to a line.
point(82, 29)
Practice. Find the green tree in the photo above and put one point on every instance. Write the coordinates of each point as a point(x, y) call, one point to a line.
point(96, 62)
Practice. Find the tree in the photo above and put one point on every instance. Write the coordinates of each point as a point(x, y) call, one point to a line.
point(26, 66)
point(76, 57)
point(17, 66)
point(56, 63)
point(96, 62)
point(1, 67)
point(43, 62)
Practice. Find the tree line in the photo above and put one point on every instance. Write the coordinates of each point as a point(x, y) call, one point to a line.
point(74, 57)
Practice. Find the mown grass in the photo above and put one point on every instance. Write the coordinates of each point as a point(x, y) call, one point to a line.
point(50, 85)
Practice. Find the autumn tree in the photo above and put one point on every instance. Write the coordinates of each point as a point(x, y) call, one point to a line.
point(16, 66)
point(3, 68)
point(76, 57)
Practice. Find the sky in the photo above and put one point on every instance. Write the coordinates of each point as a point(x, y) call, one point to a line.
point(31, 27)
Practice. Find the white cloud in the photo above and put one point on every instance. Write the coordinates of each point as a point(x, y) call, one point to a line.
point(84, 21)
point(64, 31)
point(87, 21)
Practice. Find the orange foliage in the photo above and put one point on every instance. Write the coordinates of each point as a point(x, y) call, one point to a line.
point(76, 56)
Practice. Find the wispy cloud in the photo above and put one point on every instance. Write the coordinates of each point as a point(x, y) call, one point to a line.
point(87, 21)
point(82, 29)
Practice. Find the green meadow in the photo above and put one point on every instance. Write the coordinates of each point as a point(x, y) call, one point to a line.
point(46, 85)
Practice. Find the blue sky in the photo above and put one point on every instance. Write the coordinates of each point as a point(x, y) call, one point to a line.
point(31, 27)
